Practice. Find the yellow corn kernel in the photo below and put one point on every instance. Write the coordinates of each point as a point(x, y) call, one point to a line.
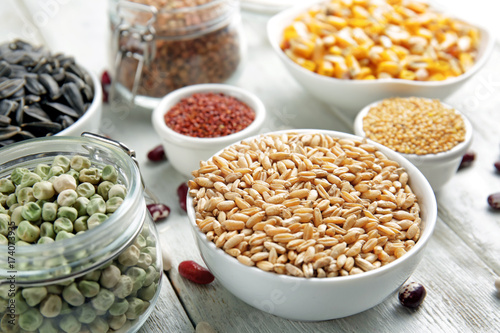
point(341, 70)
point(440, 66)
point(389, 55)
point(326, 68)
point(394, 18)
point(307, 64)
point(335, 50)
point(389, 67)
point(358, 22)
point(360, 12)
point(337, 22)
point(426, 33)
point(360, 52)
point(475, 36)
point(369, 77)
point(407, 75)
point(303, 49)
point(437, 77)
point(319, 50)
point(400, 51)
point(466, 61)
point(417, 6)
point(363, 72)
point(352, 65)
point(290, 33)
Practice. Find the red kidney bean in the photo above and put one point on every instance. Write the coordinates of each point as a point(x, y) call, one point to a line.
point(497, 166)
point(105, 83)
point(182, 191)
point(157, 154)
point(158, 211)
point(467, 159)
point(209, 115)
point(193, 271)
point(494, 200)
point(412, 295)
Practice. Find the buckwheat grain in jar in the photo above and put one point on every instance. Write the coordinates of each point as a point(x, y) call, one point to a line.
point(79, 251)
point(159, 46)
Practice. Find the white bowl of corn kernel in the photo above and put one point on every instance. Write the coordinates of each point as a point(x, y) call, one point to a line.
point(310, 224)
point(351, 61)
point(429, 133)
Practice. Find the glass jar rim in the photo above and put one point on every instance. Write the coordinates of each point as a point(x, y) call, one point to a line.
point(119, 225)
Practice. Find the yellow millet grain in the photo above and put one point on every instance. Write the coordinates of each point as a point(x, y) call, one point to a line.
point(414, 125)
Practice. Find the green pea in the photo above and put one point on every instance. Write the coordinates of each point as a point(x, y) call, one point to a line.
point(31, 212)
point(3, 241)
point(103, 300)
point(30, 179)
point(119, 307)
point(85, 190)
point(67, 198)
point(81, 206)
point(151, 273)
point(85, 314)
point(6, 186)
point(145, 261)
point(30, 320)
point(55, 289)
point(91, 175)
point(80, 224)
point(96, 205)
point(130, 256)
point(3, 210)
point(95, 220)
point(72, 295)
point(65, 309)
point(51, 306)
point(103, 189)
point(117, 190)
point(48, 326)
point(68, 212)
point(54, 172)
point(70, 324)
point(109, 173)
point(25, 194)
point(75, 174)
point(110, 276)
point(124, 287)
point(4, 303)
point(89, 288)
point(22, 243)
point(113, 204)
point(151, 250)
point(47, 230)
point(28, 232)
point(147, 293)
point(17, 175)
point(64, 182)
point(61, 161)
point(125, 328)
point(135, 309)
point(45, 240)
point(79, 162)
point(4, 224)
point(93, 276)
point(34, 295)
point(63, 224)
point(49, 211)
point(21, 305)
point(64, 235)
point(11, 200)
point(95, 196)
point(42, 170)
point(138, 276)
point(117, 322)
point(99, 325)
point(9, 324)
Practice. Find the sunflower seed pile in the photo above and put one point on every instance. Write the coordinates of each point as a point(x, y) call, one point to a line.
point(40, 93)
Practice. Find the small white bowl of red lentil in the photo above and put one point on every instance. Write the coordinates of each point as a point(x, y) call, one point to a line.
point(196, 121)
point(430, 134)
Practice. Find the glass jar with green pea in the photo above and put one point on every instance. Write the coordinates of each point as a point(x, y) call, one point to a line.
point(78, 249)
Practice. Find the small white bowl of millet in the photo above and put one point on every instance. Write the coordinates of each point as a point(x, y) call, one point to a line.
point(196, 121)
point(429, 133)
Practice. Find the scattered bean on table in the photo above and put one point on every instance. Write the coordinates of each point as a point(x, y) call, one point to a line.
point(467, 159)
point(193, 271)
point(368, 39)
point(157, 154)
point(412, 295)
point(209, 115)
point(182, 191)
point(414, 125)
point(158, 211)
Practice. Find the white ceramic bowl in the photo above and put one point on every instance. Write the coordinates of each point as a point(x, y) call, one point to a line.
point(349, 96)
point(185, 152)
point(317, 299)
point(91, 119)
point(437, 168)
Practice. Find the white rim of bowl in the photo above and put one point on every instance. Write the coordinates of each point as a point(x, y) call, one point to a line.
point(431, 218)
point(96, 103)
point(454, 152)
point(274, 32)
point(174, 97)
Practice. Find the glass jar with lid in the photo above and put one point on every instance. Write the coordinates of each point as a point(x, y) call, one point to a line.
point(159, 46)
point(98, 276)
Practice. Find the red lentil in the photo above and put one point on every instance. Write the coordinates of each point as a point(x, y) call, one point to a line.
point(209, 115)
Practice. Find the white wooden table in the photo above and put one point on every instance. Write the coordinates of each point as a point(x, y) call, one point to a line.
point(463, 256)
